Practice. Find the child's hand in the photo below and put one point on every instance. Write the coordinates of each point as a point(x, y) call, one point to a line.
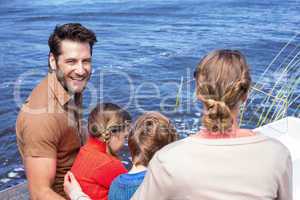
point(117, 141)
point(71, 186)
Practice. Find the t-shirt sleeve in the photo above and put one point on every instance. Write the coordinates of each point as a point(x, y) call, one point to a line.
point(285, 191)
point(157, 183)
point(40, 136)
point(107, 173)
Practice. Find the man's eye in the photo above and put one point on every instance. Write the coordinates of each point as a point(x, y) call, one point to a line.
point(86, 62)
point(71, 61)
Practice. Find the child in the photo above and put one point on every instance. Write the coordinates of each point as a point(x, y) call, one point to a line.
point(97, 163)
point(150, 133)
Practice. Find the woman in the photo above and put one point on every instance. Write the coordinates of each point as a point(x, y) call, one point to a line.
point(221, 161)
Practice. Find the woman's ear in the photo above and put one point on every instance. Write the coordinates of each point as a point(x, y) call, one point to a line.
point(52, 62)
point(244, 98)
point(200, 97)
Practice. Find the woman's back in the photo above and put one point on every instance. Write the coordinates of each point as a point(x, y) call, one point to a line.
point(255, 167)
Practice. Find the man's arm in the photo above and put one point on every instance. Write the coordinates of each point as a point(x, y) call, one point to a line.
point(38, 136)
point(40, 174)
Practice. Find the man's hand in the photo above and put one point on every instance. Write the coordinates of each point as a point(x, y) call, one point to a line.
point(40, 173)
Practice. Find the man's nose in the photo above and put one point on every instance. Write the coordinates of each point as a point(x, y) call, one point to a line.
point(80, 69)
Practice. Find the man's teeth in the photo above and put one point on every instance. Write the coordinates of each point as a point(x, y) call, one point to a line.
point(78, 79)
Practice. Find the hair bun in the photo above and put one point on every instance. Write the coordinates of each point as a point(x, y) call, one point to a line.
point(100, 133)
point(217, 117)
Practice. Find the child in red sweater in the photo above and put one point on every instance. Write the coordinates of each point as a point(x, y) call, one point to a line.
point(97, 163)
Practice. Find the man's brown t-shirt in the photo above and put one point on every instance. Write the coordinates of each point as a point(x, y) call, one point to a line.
point(48, 126)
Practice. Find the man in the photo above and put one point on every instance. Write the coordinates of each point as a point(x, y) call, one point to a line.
point(48, 125)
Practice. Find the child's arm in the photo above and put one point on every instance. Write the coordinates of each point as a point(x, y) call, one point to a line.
point(73, 189)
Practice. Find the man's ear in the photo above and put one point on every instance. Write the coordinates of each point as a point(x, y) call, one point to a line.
point(52, 61)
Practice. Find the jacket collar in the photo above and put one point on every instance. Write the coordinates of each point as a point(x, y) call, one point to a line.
point(94, 142)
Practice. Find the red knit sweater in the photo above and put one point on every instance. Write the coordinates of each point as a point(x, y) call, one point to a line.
point(95, 169)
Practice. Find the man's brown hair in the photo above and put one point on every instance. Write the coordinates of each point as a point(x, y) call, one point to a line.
point(222, 80)
point(150, 132)
point(71, 31)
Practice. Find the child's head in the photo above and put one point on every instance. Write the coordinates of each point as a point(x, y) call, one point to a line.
point(108, 122)
point(222, 82)
point(150, 132)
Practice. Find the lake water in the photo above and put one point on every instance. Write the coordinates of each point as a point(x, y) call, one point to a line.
point(143, 50)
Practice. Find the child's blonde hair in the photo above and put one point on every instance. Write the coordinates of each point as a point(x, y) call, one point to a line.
point(106, 119)
point(150, 132)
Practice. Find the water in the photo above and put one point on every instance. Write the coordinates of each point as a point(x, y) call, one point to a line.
point(144, 48)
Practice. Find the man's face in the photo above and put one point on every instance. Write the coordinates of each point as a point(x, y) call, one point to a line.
point(73, 65)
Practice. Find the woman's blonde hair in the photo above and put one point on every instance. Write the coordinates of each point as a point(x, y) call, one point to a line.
point(222, 80)
point(150, 132)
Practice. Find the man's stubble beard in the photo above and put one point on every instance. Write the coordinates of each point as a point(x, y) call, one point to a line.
point(61, 78)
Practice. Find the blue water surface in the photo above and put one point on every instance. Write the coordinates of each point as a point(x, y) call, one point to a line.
point(144, 48)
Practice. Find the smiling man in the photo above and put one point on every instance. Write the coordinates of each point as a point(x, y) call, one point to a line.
point(48, 126)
